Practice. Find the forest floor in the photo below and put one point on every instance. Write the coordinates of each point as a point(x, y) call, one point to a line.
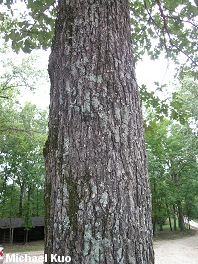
point(169, 249)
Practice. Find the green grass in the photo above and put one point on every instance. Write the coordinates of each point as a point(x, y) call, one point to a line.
point(166, 234)
point(20, 247)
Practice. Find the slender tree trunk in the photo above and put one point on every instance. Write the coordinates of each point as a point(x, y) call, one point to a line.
point(180, 216)
point(25, 236)
point(161, 226)
point(37, 204)
point(11, 235)
point(174, 218)
point(21, 200)
point(98, 203)
point(170, 224)
point(169, 219)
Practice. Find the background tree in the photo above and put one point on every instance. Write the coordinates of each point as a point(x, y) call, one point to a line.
point(22, 136)
point(21, 153)
point(156, 136)
point(182, 163)
point(172, 155)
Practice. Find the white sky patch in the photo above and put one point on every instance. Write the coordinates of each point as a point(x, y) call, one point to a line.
point(149, 71)
point(41, 96)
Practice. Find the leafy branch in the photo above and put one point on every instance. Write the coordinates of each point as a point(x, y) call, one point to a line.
point(168, 33)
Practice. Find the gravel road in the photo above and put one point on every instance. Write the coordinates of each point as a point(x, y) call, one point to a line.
point(178, 251)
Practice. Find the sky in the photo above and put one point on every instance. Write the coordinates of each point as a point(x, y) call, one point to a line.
point(41, 95)
point(149, 71)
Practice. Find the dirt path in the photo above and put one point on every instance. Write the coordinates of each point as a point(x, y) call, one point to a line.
point(178, 251)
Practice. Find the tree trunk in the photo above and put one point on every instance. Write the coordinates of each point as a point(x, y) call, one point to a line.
point(169, 219)
point(11, 234)
point(174, 218)
point(98, 203)
point(25, 236)
point(180, 216)
point(21, 200)
point(170, 224)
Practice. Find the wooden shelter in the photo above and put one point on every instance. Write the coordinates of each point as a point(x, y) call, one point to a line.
point(12, 230)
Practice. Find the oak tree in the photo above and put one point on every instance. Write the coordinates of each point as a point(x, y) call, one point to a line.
point(98, 204)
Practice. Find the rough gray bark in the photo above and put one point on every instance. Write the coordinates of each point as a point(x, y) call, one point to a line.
point(98, 204)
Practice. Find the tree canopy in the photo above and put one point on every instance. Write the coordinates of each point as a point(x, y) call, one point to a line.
point(157, 26)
